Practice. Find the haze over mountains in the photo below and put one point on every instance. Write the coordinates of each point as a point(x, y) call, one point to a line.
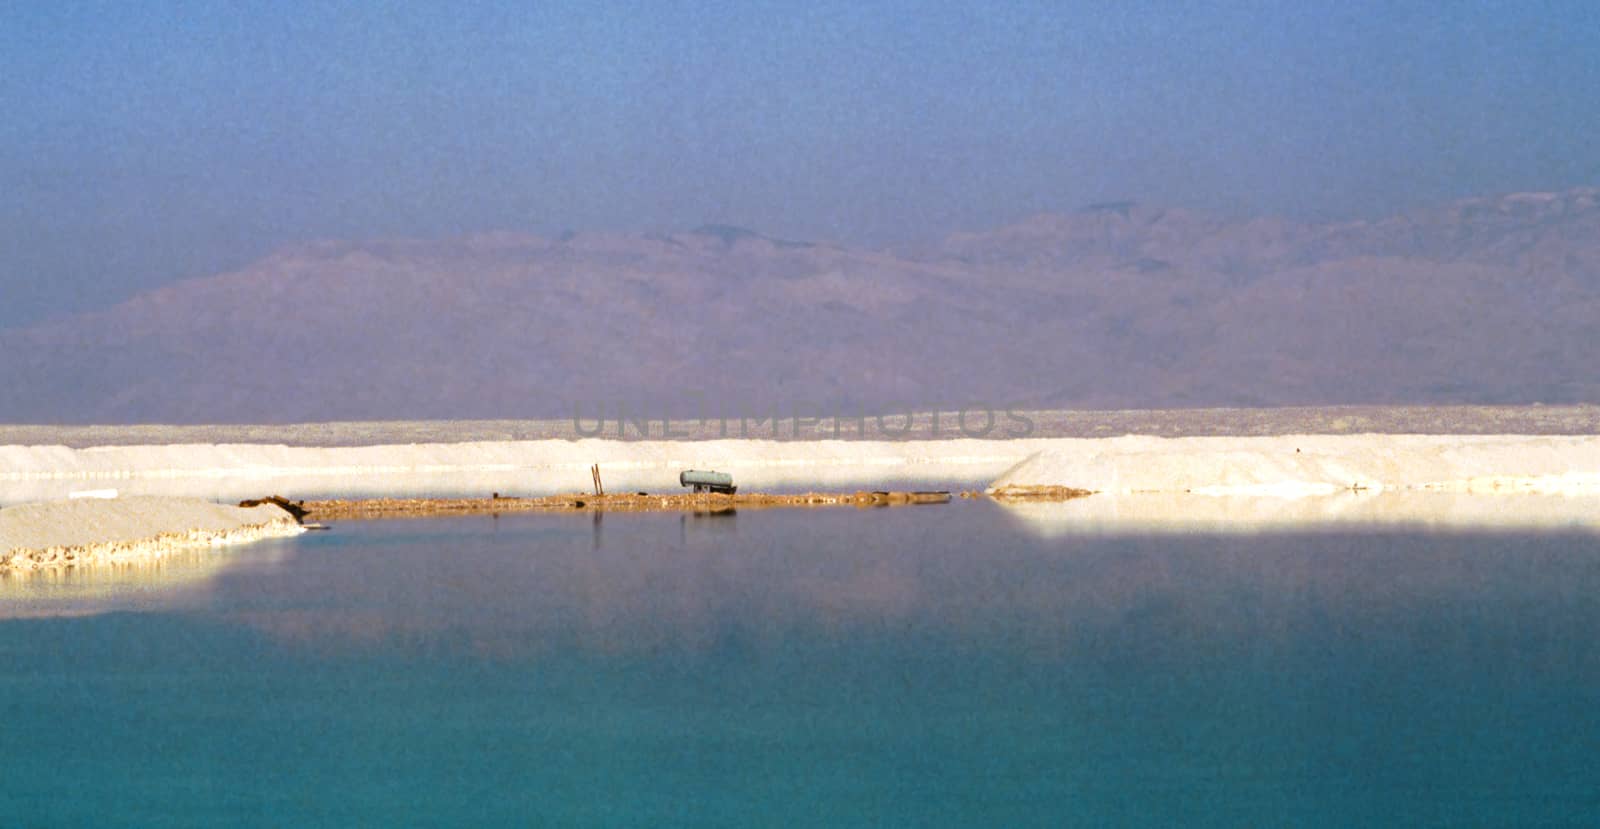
point(1491, 300)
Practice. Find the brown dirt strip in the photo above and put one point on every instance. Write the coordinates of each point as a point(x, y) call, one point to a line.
point(346, 510)
point(1038, 493)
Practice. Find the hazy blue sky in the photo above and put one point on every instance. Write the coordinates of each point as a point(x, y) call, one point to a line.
point(144, 142)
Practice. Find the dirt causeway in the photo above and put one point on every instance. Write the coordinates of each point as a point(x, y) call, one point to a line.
point(623, 502)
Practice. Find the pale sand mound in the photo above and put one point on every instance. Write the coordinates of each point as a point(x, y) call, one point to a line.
point(64, 533)
point(1293, 465)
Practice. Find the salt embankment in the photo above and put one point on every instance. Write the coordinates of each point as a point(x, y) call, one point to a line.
point(202, 460)
point(523, 467)
point(68, 533)
point(1278, 465)
point(1300, 465)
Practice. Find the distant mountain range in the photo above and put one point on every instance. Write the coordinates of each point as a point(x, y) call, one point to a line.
point(1490, 300)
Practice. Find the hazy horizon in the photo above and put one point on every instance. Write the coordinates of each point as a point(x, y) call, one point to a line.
point(150, 143)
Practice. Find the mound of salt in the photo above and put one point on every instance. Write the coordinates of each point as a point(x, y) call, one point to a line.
point(63, 533)
point(1294, 465)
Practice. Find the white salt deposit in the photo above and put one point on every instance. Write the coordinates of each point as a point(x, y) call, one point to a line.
point(203, 460)
point(1279, 466)
point(66, 533)
point(1297, 475)
point(1303, 465)
point(533, 467)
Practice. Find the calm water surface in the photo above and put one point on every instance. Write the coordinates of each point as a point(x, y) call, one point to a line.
point(906, 667)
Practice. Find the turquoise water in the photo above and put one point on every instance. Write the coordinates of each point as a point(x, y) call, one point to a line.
point(905, 667)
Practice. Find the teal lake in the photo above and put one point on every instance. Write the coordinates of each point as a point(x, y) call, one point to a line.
point(917, 666)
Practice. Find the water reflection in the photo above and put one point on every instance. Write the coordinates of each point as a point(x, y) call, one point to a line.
point(175, 581)
point(1180, 513)
point(772, 584)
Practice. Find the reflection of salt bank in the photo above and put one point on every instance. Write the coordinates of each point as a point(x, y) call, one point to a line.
point(1302, 465)
point(180, 579)
point(76, 532)
point(1181, 513)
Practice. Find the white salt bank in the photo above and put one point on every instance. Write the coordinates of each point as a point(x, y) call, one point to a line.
point(1306, 465)
point(91, 531)
point(536, 467)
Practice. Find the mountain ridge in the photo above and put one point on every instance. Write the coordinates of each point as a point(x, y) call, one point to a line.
point(1483, 300)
